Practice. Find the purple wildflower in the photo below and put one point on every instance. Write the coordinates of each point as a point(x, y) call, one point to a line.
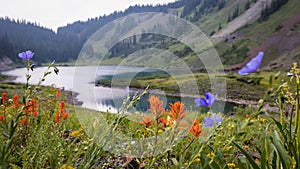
point(253, 65)
point(26, 55)
point(207, 101)
point(210, 121)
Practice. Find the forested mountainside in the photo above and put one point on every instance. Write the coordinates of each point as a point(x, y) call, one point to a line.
point(264, 21)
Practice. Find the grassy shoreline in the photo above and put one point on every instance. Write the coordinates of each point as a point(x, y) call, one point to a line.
point(243, 89)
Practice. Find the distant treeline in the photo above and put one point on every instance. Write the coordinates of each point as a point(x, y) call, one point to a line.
point(65, 45)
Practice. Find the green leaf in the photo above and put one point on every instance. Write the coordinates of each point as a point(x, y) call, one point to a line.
point(279, 126)
point(263, 160)
point(248, 156)
point(215, 165)
point(283, 154)
point(274, 161)
point(13, 166)
point(271, 80)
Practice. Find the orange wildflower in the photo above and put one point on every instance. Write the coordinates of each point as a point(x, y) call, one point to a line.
point(195, 129)
point(65, 115)
point(2, 118)
point(33, 105)
point(30, 107)
point(16, 101)
point(57, 116)
point(156, 106)
point(62, 107)
point(4, 98)
point(147, 121)
point(57, 92)
point(23, 121)
point(163, 121)
point(177, 111)
point(247, 115)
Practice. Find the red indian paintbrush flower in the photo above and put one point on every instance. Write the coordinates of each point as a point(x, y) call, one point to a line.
point(163, 121)
point(147, 121)
point(65, 115)
point(62, 107)
point(4, 98)
point(30, 107)
point(156, 106)
point(23, 121)
point(57, 93)
point(195, 129)
point(2, 118)
point(16, 101)
point(177, 111)
point(57, 116)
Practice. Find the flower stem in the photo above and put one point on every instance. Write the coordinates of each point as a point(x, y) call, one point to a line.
point(187, 146)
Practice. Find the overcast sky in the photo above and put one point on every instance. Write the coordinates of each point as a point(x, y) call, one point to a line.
point(55, 13)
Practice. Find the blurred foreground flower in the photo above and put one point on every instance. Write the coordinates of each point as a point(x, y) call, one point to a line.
point(26, 55)
point(253, 65)
point(156, 106)
point(2, 117)
point(210, 121)
point(147, 121)
point(207, 101)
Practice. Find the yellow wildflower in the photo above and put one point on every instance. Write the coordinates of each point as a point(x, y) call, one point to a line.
point(66, 167)
point(77, 133)
point(227, 148)
point(211, 155)
point(197, 160)
point(231, 165)
point(230, 127)
point(160, 131)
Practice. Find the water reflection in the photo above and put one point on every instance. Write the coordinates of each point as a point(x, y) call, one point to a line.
point(114, 104)
point(104, 98)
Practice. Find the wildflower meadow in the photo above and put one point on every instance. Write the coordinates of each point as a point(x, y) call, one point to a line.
point(39, 129)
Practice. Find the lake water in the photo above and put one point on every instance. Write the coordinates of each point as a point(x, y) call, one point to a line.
point(81, 79)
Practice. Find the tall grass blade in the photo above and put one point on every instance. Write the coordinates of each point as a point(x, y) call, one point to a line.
point(248, 156)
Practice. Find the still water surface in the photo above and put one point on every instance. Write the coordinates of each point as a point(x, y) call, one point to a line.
point(81, 79)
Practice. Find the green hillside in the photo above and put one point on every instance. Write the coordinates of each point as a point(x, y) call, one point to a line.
point(278, 36)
